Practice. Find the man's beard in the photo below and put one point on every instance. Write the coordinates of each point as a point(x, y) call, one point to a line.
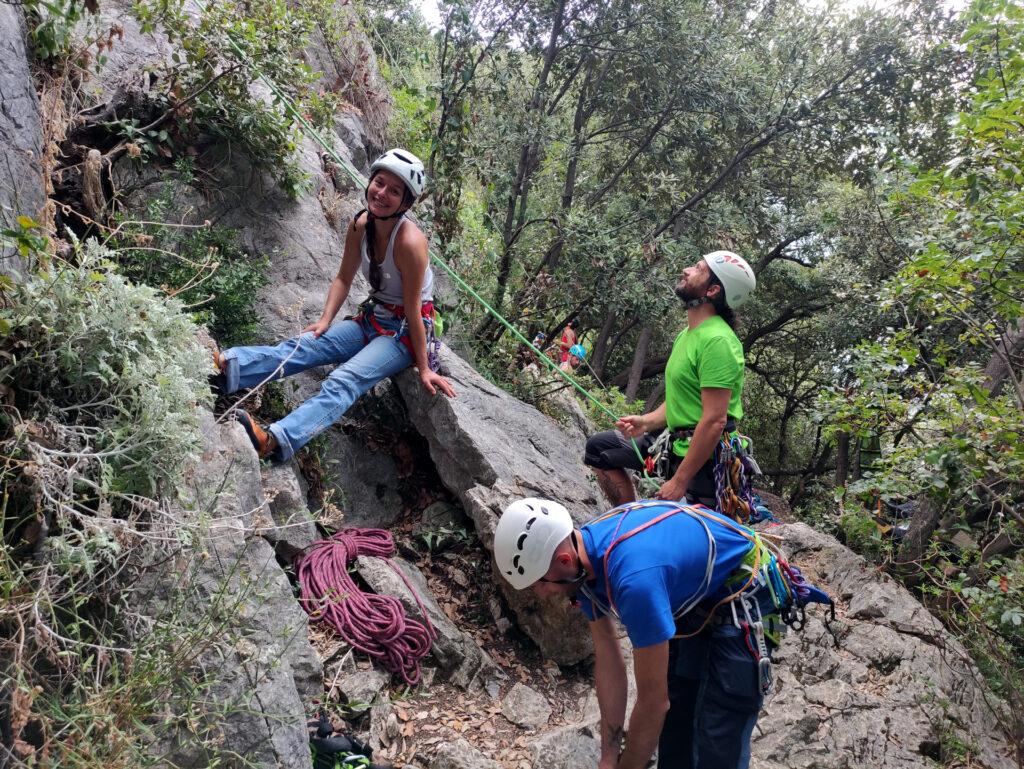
point(687, 293)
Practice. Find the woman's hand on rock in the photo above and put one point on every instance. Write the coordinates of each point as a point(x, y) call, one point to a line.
point(432, 382)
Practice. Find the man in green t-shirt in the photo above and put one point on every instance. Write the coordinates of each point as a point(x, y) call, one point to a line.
point(703, 386)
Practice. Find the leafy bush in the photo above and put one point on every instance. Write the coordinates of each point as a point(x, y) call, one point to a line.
point(200, 266)
point(111, 367)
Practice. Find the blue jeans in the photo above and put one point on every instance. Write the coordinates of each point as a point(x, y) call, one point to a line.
point(714, 696)
point(363, 364)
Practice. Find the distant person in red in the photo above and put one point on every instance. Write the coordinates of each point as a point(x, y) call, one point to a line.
point(568, 340)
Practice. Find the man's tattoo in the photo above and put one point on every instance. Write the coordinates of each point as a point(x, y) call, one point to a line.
point(615, 736)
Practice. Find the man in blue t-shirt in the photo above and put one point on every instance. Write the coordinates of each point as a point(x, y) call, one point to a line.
point(664, 570)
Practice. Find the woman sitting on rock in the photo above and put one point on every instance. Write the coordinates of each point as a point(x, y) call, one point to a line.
point(392, 253)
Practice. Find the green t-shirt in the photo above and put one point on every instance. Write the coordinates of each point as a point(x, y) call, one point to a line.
point(707, 356)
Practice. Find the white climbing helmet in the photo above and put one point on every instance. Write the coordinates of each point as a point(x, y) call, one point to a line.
point(528, 533)
point(405, 166)
point(734, 274)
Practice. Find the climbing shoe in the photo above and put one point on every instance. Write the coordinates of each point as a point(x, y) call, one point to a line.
point(262, 441)
point(218, 381)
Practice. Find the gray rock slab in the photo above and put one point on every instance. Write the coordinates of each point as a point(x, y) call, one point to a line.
point(490, 448)
point(460, 755)
point(293, 528)
point(894, 686)
point(21, 135)
point(257, 664)
point(569, 747)
point(526, 707)
point(456, 653)
point(362, 688)
point(440, 516)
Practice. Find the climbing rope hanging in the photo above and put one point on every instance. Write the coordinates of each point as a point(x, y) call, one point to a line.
point(374, 624)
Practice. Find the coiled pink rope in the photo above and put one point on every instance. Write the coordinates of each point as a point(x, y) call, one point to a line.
point(373, 624)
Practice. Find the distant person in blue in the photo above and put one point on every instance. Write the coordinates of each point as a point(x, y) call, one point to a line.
point(684, 582)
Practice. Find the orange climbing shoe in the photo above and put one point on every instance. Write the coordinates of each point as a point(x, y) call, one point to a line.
point(262, 441)
point(218, 382)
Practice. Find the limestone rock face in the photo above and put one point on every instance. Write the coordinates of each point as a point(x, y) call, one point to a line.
point(258, 666)
point(896, 688)
point(457, 654)
point(21, 135)
point(490, 448)
point(291, 529)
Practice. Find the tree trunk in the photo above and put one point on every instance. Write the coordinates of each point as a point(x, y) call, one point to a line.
point(639, 358)
point(655, 398)
point(1005, 363)
point(842, 458)
point(600, 355)
point(527, 158)
point(915, 542)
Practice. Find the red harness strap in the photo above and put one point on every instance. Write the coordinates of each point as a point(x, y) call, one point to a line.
point(426, 313)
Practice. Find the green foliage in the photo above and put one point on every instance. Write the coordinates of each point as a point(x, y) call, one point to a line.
point(610, 398)
point(101, 379)
point(111, 363)
point(52, 26)
point(411, 118)
point(211, 83)
point(944, 389)
point(100, 682)
point(860, 533)
point(200, 266)
point(24, 237)
point(941, 387)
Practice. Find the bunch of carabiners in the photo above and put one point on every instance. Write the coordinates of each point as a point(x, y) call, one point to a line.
point(772, 577)
point(735, 466)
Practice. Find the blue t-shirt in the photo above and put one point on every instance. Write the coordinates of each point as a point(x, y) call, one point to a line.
point(657, 570)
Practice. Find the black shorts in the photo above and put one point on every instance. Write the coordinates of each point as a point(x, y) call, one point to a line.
point(608, 450)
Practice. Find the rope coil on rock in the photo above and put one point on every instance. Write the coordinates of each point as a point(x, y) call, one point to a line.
point(376, 625)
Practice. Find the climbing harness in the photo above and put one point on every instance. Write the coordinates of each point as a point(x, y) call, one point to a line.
point(763, 570)
point(366, 312)
point(357, 179)
point(734, 468)
point(374, 624)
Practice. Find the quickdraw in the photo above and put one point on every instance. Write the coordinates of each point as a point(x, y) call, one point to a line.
point(734, 469)
point(760, 653)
